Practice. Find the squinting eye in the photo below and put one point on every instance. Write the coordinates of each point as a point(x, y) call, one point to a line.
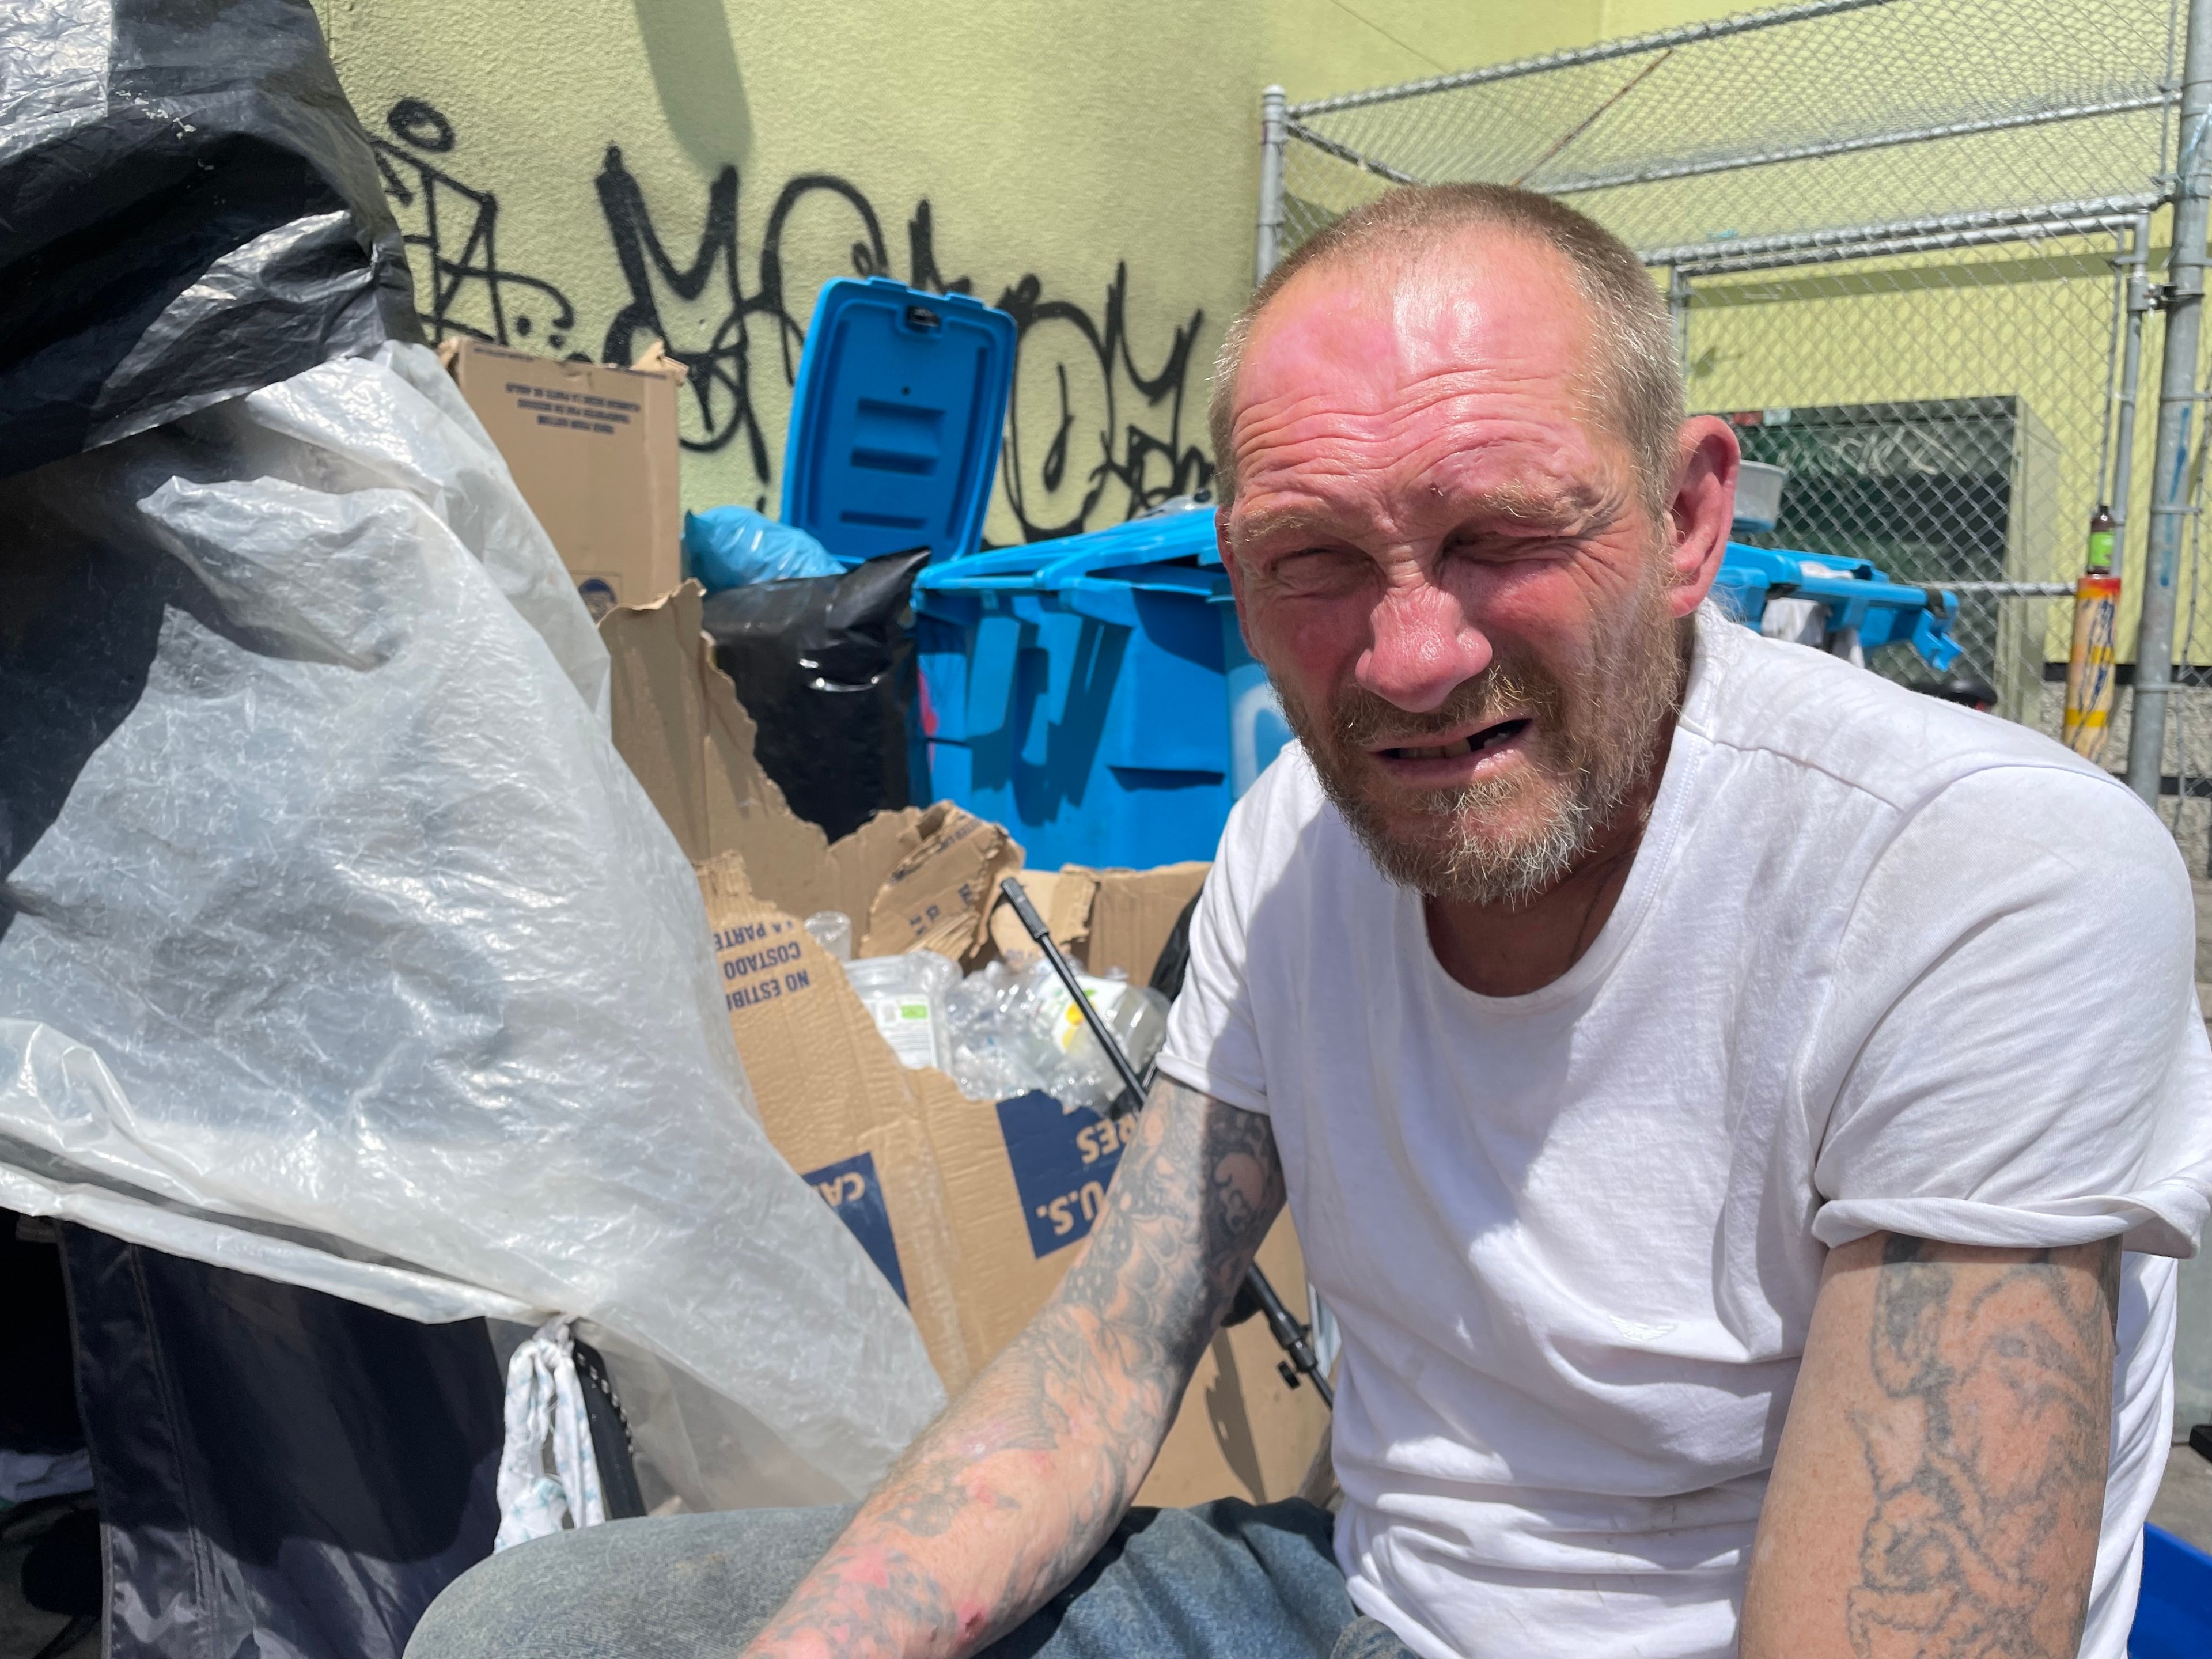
point(1319, 569)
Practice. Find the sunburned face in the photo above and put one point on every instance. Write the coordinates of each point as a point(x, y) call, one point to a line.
point(1447, 567)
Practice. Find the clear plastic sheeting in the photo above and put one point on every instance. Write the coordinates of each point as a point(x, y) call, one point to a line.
point(338, 939)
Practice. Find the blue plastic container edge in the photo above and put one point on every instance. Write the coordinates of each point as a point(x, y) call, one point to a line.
point(808, 411)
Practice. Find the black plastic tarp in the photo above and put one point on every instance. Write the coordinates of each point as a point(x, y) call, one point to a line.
point(189, 211)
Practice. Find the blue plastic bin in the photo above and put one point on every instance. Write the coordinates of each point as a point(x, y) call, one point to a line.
point(2173, 1612)
point(1081, 692)
point(895, 419)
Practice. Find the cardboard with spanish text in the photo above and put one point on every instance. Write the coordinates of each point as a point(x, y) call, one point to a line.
point(973, 1210)
point(592, 448)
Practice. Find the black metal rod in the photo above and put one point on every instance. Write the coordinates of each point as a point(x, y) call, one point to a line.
point(1294, 1338)
point(1042, 935)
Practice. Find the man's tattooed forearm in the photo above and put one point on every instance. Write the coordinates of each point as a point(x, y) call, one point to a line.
point(1988, 1457)
point(1091, 1385)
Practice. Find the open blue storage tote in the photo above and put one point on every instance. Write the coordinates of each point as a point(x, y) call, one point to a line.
point(895, 418)
point(1093, 694)
point(2173, 1610)
point(1857, 595)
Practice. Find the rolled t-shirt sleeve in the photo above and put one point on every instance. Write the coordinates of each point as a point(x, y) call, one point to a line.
point(1212, 1043)
point(2017, 1056)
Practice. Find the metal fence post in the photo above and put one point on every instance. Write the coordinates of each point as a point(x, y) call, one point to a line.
point(1678, 304)
point(2177, 395)
point(1274, 133)
point(2123, 434)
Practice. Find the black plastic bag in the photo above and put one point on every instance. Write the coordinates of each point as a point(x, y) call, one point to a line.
point(191, 212)
point(825, 666)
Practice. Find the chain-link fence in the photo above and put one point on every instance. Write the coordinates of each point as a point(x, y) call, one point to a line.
point(1897, 235)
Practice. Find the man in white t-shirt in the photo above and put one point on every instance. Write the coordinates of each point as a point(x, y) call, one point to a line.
point(1743, 1114)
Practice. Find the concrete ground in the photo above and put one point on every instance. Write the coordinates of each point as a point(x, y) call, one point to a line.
point(2185, 1498)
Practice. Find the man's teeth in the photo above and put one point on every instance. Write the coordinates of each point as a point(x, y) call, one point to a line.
point(1442, 752)
point(1488, 738)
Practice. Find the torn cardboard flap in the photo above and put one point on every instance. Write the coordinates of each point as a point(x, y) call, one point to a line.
point(1065, 907)
point(656, 359)
point(940, 896)
point(1131, 913)
point(679, 725)
point(677, 722)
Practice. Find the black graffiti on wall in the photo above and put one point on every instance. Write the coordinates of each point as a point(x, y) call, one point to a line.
point(457, 229)
point(1092, 432)
point(1149, 466)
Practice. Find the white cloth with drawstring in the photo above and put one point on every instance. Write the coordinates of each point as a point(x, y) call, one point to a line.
point(549, 1476)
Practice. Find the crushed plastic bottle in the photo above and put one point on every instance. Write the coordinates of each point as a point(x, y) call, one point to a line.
point(1136, 1015)
point(997, 1052)
point(905, 995)
point(1014, 1033)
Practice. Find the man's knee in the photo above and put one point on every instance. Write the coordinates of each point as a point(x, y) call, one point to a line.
point(678, 1586)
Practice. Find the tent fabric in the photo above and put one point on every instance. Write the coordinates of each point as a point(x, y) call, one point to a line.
point(280, 1473)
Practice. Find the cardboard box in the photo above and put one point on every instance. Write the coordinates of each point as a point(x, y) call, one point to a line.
point(592, 447)
point(972, 1209)
point(1107, 919)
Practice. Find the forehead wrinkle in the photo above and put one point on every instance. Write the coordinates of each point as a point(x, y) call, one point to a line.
point(1546, 495)
point(1543, 484)
point(1402, 440)
point(1394, 337)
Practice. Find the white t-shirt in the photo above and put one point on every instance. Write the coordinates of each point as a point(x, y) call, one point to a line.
point(1881, 963)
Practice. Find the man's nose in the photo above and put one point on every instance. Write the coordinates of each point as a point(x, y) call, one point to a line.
point(1423, 648)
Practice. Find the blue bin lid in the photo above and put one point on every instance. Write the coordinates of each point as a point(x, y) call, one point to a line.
point(1041, 567)
point(895, 419)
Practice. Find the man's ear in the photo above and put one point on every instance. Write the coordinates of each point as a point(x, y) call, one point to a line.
point(1702, 509)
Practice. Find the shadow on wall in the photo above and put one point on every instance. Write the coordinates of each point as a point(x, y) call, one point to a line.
point(1094, 436)
point(695, 70)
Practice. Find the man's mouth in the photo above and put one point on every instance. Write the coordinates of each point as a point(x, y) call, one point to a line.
point(1473, 743)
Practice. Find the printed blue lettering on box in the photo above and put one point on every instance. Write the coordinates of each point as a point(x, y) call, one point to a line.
point(850, 1188)
point(1063, 1163)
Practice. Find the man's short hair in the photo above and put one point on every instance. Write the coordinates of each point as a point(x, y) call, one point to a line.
point(1639, 375)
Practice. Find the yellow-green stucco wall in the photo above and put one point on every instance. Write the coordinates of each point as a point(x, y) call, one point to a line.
point(602, 171)
point(1096, 167)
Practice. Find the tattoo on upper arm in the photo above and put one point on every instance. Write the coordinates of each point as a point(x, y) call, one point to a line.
point(1988, 1457)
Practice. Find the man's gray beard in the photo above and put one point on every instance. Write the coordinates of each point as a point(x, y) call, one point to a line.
point(1608, 733)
